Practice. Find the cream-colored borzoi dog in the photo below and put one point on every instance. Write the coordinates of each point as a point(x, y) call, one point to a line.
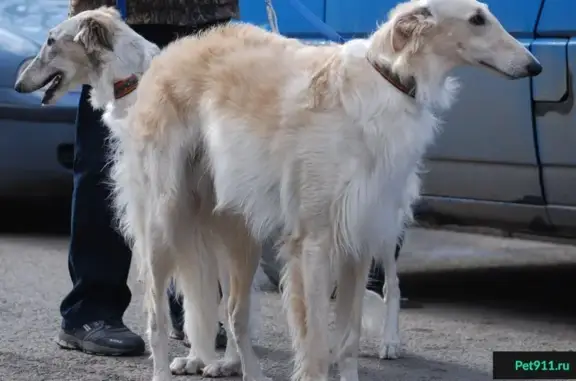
point(244, 126)
point(321, 142)
point(97, 48)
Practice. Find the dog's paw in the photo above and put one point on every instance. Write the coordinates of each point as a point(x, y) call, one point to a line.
point(390, 350)
point(186, 365)
point(223, 368)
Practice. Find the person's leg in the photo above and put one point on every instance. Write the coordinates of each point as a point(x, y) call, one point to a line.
point(98, 260)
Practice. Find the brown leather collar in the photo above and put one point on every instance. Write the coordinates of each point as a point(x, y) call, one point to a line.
point(408, 86)
point(125, 86)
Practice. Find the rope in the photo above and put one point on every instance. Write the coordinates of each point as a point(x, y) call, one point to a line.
point(272, 19)
point(322, 27)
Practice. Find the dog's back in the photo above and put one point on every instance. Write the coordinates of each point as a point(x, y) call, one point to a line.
point(229, 65)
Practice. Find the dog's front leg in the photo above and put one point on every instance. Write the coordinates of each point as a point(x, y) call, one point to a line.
point(351, 281)
point(313, 357)
point(240, 258)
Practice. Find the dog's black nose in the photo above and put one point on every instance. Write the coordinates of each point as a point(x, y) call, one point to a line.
point(534, 68)
point(18, 87)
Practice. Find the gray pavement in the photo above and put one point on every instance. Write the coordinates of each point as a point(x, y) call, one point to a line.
point(479, 294)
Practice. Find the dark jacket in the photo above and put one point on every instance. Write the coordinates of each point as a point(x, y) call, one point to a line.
point(193, 13)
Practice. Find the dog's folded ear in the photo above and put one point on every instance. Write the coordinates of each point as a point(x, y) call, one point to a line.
point(94, 35)
point(410, 23)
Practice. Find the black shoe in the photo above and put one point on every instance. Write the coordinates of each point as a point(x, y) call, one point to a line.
point(102, 338)
point(221, 338)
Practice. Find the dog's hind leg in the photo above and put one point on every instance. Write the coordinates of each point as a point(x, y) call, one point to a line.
point(197, 278)
point(231, 364)
point(243, 258)
point(352, 277)
point(390, 345)
point(158, 325)
point(154, 257)
point(158, 268)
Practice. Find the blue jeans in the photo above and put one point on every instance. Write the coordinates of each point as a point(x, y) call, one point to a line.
point(98, 260)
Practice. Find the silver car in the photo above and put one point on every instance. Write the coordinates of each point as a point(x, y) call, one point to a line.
point(36, 143)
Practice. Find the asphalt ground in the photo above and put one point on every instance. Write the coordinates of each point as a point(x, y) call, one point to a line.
point(478, 294)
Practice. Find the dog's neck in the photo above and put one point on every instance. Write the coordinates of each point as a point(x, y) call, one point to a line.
point(425, 75)
point(406, 84)
point(117, 78)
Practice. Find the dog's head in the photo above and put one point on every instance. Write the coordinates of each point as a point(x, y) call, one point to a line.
point(73, 49)
point(459, 32)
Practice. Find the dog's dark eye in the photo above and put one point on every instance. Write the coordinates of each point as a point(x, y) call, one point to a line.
point(477, 19)
point(50, 41)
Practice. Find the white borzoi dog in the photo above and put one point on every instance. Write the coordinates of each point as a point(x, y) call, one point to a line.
point(241, 128)
point(321, 142)
point(97, 48)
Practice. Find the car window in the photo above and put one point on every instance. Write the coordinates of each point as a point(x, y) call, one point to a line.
point(32, 18)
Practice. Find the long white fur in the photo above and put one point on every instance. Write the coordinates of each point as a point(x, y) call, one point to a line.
point(331, 158)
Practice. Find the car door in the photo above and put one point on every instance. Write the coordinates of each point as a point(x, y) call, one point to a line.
point(555, 114)
point(484, 165)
